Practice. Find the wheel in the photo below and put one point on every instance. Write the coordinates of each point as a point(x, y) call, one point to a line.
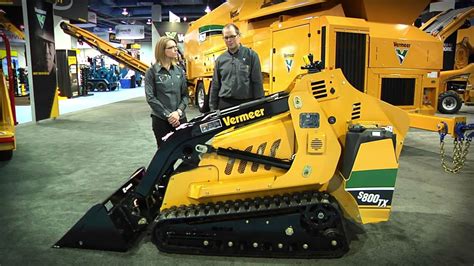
point(90, 86)
point(202, 100)
point(101, 86)
point(6, 155)
point(449, 102)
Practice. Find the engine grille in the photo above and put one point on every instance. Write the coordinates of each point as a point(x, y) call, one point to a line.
point(351, 57)
point(356, 111)
point(398, 91)
point(254, 166)
point(318, 88)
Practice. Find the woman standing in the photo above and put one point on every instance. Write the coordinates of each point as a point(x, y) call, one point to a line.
point(166, 90)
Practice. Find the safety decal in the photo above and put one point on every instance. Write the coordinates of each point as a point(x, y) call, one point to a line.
point(206, 127)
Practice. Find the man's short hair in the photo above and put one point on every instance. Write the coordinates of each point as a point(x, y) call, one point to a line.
point(229, 25)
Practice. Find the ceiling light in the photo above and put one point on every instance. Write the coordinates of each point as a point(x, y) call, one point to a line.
point(207, 10)
point(124, 12)
point(185, 18)
point(148, 22)
point(110, 29)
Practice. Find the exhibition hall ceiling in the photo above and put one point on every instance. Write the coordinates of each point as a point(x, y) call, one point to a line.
point(138, 12)
point(110, 13)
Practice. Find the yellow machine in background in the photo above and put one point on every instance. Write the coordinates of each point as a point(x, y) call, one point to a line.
point(7, 126)
point(379, 54)
point(383, 56)
point(456, 81)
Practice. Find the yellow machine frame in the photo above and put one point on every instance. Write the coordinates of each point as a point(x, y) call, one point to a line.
point(7, 126)
point(211, 181)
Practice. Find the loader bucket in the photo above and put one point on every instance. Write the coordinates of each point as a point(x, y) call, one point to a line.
point(106, 226)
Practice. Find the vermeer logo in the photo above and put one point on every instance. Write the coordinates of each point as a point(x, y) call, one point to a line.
point(171, 35)
point(41, 16)
point(401, 50)
point(232, 120)
point(288, 61)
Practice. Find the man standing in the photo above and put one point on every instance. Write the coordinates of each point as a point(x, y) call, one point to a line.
point(237, 73)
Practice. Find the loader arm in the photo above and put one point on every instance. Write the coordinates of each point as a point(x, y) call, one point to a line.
point(104, 47)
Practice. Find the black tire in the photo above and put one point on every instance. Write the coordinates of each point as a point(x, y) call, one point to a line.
point(202, 99)
point(449, 102)
point(90, 86)
point(6, 155)
point(102, 86)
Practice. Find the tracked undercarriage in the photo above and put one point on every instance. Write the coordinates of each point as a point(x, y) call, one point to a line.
point(298, 225)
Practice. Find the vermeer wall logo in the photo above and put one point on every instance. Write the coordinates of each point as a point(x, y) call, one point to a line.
point(173, 35)
point(40, 16)
point(401, 50)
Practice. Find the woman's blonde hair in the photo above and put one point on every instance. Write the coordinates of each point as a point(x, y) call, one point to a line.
point(160, 48)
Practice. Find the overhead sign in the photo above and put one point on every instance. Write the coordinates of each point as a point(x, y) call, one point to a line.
point(92, 17)
point(130, 32)
point(172, 29)
point(113, 38)
point(72, 9)
point(173, 17)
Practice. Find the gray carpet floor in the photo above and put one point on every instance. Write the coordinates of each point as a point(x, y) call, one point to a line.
point(64, 166)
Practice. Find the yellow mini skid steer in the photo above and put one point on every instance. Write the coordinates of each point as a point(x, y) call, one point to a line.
point(274, 177)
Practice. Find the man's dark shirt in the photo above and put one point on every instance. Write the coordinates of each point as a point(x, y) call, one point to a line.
point(236, 76)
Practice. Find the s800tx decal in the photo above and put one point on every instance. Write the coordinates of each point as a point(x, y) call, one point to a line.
point(376, 197)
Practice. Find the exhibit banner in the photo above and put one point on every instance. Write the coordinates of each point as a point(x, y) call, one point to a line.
point(76, 10)
point(129, 32)
point(92, 17)
point(172, 29)
point(41, 58)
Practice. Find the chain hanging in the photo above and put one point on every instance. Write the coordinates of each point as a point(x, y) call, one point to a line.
point(460, 150)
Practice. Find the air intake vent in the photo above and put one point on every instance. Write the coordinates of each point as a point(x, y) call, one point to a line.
point(398, 91)
point(318, 88)
point(260, 151)
point(350, 57)
point(355, 111)
point(243, 164)
point(273, 151)
point(316, 143)
point(229, 166)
